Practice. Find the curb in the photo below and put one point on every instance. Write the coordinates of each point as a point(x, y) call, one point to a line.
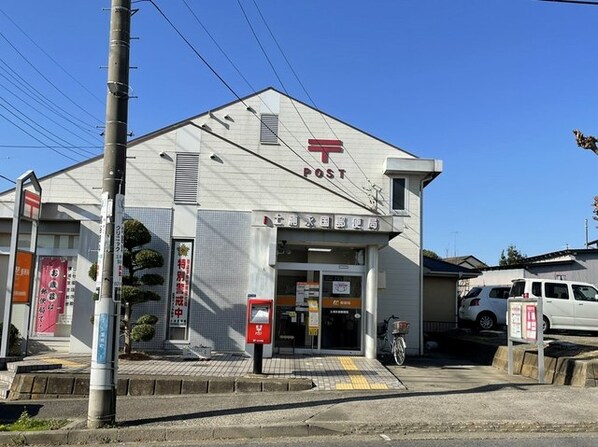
point(198, 433)
point(66, 385)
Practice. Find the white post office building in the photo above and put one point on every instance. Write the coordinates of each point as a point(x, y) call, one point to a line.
point(265, 197)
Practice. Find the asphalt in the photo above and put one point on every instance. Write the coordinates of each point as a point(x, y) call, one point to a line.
point(438, 395)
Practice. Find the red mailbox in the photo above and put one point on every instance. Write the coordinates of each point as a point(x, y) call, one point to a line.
point(259, 321)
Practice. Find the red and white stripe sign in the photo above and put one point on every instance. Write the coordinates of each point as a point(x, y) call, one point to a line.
point(31, 205)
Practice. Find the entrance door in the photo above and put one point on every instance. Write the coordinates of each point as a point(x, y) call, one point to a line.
point(341, 322)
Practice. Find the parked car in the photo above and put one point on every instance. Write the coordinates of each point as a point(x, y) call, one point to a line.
point(566, 304)
point(485, 305)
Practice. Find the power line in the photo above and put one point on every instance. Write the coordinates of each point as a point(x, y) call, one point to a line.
point(48, 117)
point(286, 91)
point(45, 146)
point(35, 126)
point(37, 139)
point(239, 72)
point(52, 59)
point(251, 86)
point(190, 45)
point(303, 87)
point(48, 80)
point(278, 165)
point(35, 94)
point(579, 2)
point(6, 178)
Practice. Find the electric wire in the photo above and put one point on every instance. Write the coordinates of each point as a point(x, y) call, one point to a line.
point(37, 139)
point(278, 165)
point(44, 132)
point(40, 98)
point(292, 102)
point(6, 178)
point(303, 86)
point(215, 42)
point(226, 84)
point(39, 128)
point(45, 146)
point(48, 80)
point(48, 117)
point(281, 122)
point(51, 58)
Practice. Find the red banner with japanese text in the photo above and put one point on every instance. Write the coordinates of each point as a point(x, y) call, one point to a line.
point(51, 294)
point(181, 283)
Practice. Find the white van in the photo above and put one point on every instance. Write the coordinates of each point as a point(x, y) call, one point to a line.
point(567, 304)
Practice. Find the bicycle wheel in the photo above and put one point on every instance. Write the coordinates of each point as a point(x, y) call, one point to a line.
point(398, 349)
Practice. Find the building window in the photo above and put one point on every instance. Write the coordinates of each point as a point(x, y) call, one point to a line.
point(186, 178)
point(269, 129)
point(399, 194)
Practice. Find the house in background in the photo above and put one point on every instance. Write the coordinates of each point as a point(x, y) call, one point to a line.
point(469, 262)
point(569, 265)
point(441, 293)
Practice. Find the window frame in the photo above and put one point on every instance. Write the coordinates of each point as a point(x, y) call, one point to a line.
point(405, 209)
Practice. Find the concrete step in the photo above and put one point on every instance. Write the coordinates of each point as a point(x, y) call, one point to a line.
point(26, 366)
point(7, 377)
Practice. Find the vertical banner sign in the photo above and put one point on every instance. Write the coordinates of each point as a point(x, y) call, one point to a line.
point(22, 281)
point(117, 271)
point(530, 322)
point(51, 295)
point(313, 319)
point(103, 221)
point(181, 284)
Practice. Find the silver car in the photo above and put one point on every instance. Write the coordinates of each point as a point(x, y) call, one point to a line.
point(485, 305)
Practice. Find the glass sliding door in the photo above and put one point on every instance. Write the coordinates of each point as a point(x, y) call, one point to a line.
point(295, 289)
point(341, 317)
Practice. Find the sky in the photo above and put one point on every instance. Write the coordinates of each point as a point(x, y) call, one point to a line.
point(493, 88)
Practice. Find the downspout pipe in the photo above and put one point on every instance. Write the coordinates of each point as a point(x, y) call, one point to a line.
point(422, 185)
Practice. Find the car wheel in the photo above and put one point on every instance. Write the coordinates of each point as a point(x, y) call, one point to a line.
point(545, 325)
point(486, 321)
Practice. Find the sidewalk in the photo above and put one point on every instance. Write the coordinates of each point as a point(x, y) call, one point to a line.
point(438, 396)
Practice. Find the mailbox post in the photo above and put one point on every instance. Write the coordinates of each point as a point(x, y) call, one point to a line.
point(259, 328)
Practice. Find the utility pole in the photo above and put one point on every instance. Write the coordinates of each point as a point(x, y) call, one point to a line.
point(106, 329)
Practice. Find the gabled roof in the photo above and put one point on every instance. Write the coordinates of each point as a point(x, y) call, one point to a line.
point(438, 267)
point(184, 122)
point(468, 260)
point(556, 257)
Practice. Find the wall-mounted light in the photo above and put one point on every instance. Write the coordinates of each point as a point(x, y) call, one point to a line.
point(321, 250)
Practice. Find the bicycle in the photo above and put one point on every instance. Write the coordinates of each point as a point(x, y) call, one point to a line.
point(397, 346)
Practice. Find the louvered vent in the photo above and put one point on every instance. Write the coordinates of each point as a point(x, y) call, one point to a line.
point(269, 129)
point(185, 180)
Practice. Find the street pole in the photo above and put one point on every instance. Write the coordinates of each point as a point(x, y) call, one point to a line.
point(106, 330)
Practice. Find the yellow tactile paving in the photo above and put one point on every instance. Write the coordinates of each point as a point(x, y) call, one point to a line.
point(64, 362)
point(358, 382)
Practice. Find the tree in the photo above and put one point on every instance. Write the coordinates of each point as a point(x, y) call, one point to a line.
point(512, 257)
point(136, 259)
point(430, 254)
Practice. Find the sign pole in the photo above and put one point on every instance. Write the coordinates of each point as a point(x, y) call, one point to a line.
point(33, 215)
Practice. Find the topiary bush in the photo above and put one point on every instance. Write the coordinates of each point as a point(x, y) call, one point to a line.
point(144, 329)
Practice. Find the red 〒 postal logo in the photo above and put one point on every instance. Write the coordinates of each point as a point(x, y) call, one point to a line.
point(325, 147)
